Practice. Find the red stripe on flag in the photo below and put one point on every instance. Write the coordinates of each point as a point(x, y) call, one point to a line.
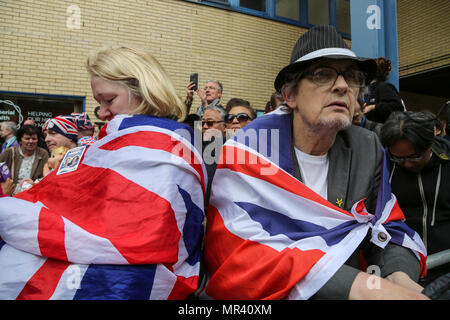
point(159, 141)
point(244, 269)
point(43, 283)
point(183, 288)
point(242, 161)
point(51, 235)
point(396, 214)
point(139, 223)
point(423, 265)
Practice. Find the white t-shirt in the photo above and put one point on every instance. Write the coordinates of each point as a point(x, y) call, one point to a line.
point(314, 170)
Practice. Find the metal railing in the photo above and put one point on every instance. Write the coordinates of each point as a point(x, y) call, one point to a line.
point(437, 259)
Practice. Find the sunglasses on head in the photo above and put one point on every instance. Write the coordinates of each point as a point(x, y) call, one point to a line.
point(241, 117)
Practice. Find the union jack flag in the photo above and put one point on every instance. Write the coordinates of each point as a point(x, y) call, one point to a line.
point(62, 123)
point(269, 236)
point(127, 224)
point(82, 120)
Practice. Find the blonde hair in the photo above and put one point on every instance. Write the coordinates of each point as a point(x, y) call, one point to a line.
point(142, 74)
point(59, 150)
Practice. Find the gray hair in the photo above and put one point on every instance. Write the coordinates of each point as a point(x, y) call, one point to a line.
point(219, 84)
point(221, 110)
point(10, 125)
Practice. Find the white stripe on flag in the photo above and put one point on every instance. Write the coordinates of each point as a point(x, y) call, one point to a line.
point(327, 266)
point(17, 214)
point(16, 268)
point(87, 251)
point(156, 177)
point(163, 283)
point(243, 188)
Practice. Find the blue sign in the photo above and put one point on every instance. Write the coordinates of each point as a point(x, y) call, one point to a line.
point(374, 31)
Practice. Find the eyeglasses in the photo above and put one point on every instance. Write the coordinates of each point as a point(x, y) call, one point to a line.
point(324, 76)
point(210, 123)
point(413, 158)
point(241, 117)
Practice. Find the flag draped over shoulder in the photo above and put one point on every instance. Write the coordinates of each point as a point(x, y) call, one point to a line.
point(269, 236)
point(127, 224)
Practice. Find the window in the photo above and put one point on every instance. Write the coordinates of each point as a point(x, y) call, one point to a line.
point(318, 12)
point(302, 13)
point(225, 2)
point(18, 106)
point(343, 15)
point(288, 9)
point(258, 5)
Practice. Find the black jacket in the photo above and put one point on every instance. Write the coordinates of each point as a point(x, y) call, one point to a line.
point(386, 99)
point(426, 213)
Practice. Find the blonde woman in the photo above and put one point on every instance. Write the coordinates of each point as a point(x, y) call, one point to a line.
point(126, 219)
point(127, 80)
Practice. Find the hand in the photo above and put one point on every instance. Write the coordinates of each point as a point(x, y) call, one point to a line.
point(8, 186)
point(27, 181)
point(368, 108)
point(402, 279)
point(371, 287)
point(202, 95)
point(189, 91)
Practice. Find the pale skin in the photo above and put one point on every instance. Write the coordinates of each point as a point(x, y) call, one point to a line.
point(55, 139)
point(5, 133)
point(217, 128)
point(207, 95)
point(28, 145)
point(114, 98)
point(235, 125)
point(53, 162)
point(319, 113)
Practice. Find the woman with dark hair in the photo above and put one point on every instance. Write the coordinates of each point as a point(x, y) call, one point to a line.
point(26, 161)
point(383, 97)
point(239, 114)
point(420, 178)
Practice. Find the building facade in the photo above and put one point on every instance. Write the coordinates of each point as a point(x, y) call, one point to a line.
point(43, 46)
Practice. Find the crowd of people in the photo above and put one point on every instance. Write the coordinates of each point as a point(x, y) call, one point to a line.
point(336, 179)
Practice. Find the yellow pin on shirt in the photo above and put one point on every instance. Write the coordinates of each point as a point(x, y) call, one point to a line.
point(339, 202)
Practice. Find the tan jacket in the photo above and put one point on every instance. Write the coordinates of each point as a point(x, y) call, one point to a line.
point(38, 165)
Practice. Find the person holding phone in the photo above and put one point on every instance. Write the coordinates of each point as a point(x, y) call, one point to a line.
point(209, 96)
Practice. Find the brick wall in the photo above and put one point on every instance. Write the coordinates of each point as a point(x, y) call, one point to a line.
point(423, 44)
point(40, 54)
point(423, 34)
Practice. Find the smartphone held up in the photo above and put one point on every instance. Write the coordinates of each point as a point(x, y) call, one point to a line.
point(194, 78)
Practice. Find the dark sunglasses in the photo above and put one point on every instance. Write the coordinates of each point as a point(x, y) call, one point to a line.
point(210, 123)
point(241, 117)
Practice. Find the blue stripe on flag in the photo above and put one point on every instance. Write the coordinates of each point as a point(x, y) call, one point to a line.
point(116, 282)
point(193, 228)
point(398, 230)
point(144, 120)
point(384, 192)
point(278, 128)
point(276, 223)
